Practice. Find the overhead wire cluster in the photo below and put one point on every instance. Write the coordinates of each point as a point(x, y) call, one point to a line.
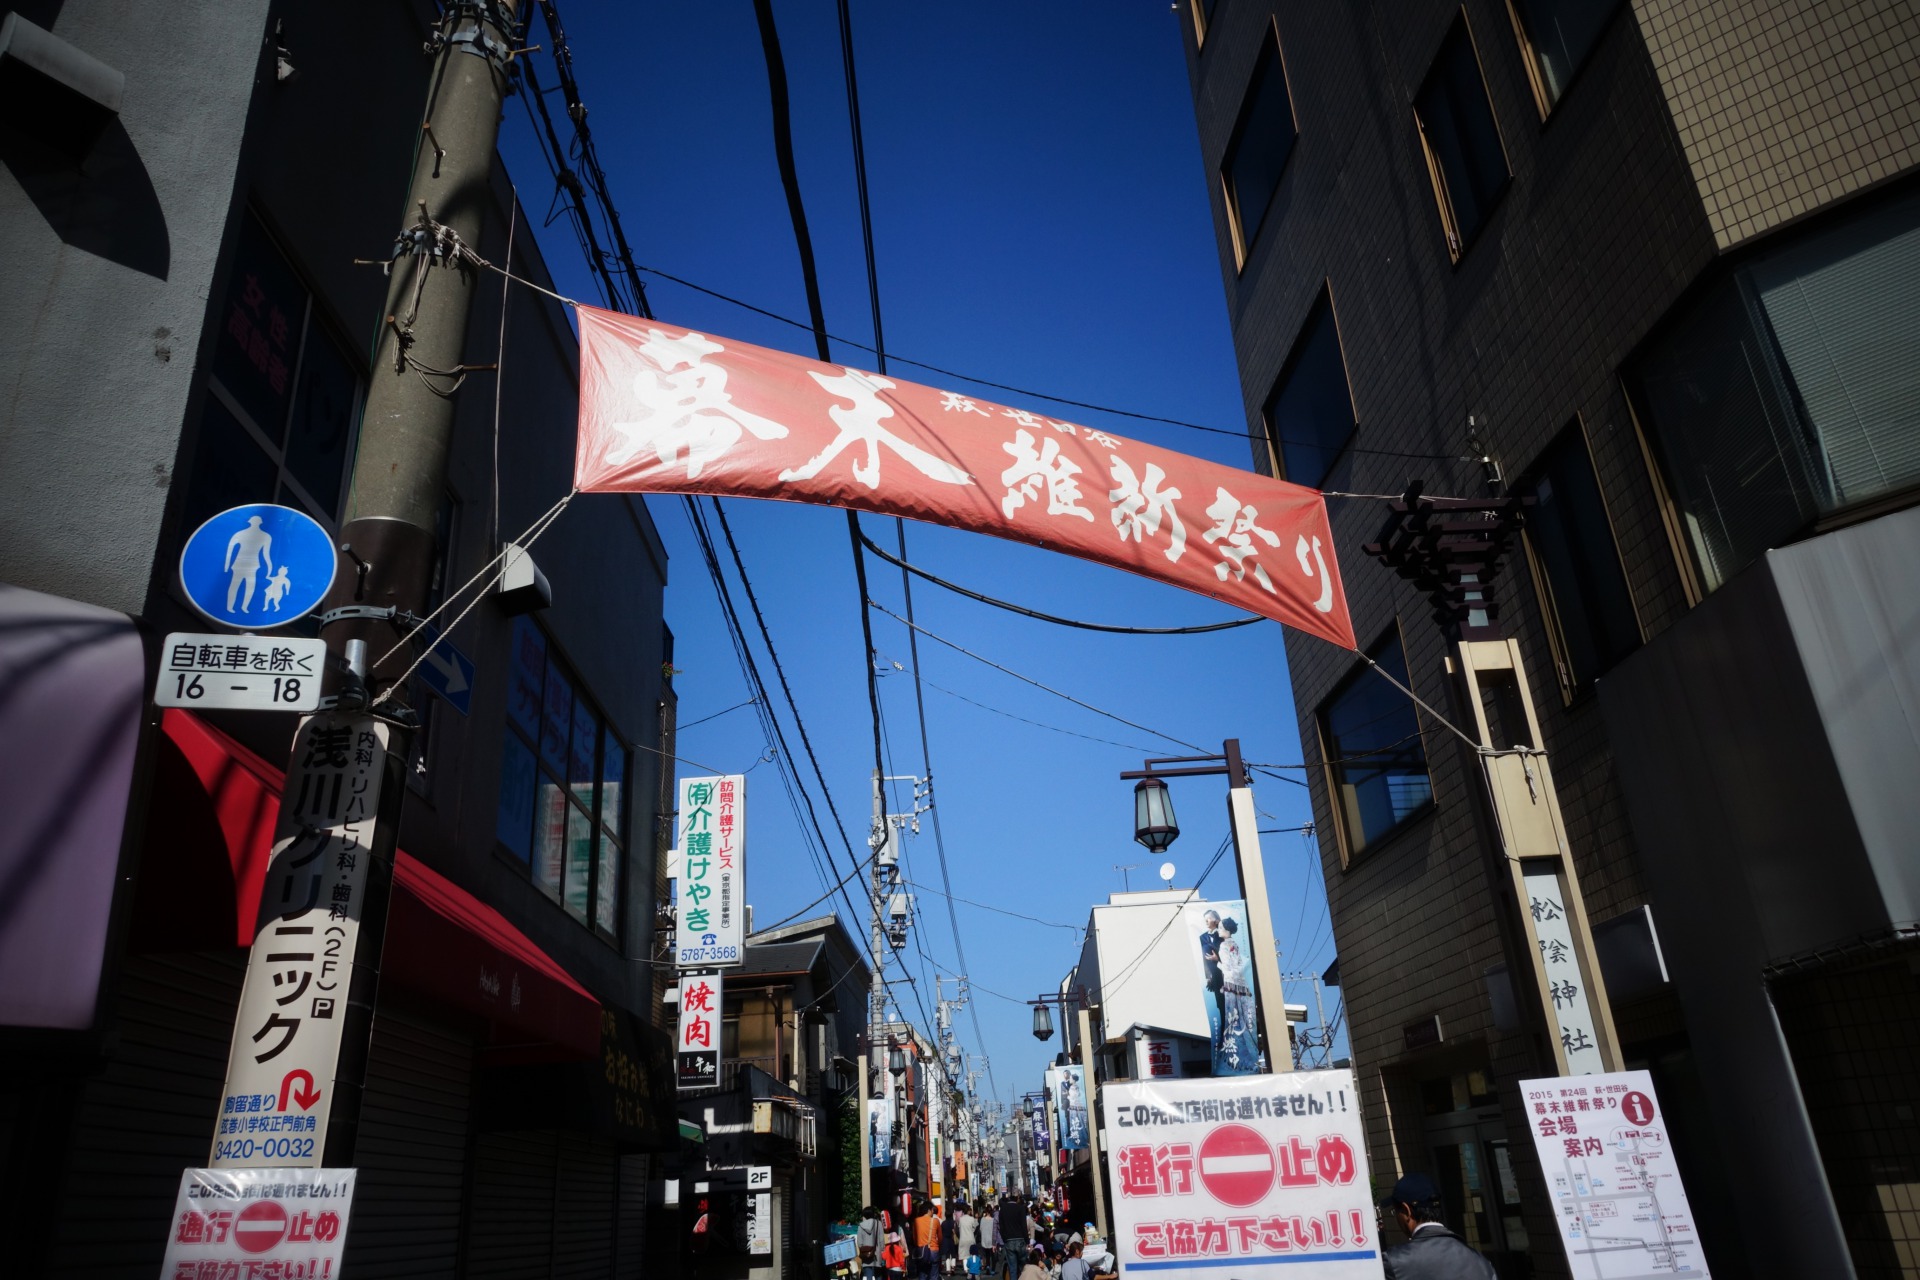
point(581, 194)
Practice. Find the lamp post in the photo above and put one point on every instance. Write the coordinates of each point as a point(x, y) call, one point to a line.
point(1155, 827)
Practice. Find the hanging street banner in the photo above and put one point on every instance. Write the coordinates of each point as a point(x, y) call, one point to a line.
point(1241, 1173)
point(1609, 1167)
point(286, 1039)
point(258, 1223)
point(713, 881)
point(668, 410)
point(1223, 966)
point(697, 1047)
point(1068, 1088)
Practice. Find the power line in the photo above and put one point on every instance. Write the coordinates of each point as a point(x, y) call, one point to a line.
point(1010, 607)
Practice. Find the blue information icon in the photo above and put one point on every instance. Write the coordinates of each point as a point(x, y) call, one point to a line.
point(257, 567)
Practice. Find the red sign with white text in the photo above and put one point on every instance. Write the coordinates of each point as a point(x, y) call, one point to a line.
point(668, 410)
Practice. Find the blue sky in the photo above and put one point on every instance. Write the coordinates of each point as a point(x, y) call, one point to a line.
point(1040, 220)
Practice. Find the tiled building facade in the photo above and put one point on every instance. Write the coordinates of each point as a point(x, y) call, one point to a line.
point(1660, 261)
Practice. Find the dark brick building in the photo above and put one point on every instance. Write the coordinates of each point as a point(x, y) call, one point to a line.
point(1661, 262)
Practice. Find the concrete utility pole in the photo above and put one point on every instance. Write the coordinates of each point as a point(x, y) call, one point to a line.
point(387, 557)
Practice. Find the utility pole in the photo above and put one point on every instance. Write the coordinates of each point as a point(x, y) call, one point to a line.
point(328, 887)
point(1453, 547)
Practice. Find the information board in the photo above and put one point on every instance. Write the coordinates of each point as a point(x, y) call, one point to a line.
point(1609, 1167)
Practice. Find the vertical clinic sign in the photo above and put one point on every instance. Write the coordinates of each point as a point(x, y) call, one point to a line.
point(1241, 1173)
point(286, 1042)
point(697, 1046)
point(712, 912)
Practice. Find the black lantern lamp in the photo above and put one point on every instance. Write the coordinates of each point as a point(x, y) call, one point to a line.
point(1042, 1022)
point(1153, 821)
point(897, 1062)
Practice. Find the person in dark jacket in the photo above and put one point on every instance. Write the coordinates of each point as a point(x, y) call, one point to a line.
point(1431, 1252)
point(1013, 1235)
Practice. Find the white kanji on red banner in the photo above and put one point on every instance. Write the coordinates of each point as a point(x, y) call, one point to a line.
point(666, 410)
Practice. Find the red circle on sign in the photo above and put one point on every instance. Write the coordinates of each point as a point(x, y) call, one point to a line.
point(1637, 1107)
point(260, 1226)
point(1237, 1166)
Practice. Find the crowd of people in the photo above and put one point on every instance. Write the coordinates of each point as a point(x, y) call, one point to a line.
point(1012, 1238)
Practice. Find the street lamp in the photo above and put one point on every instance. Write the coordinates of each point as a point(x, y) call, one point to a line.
point(1153, 821)
point(897, 1062)
point(1042, 1023)
point(1154, 827)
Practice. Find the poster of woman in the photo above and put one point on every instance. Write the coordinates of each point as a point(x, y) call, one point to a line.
point(1224, 967)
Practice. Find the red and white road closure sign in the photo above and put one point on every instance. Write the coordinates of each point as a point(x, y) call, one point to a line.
point(259, 1224)
point(668, 410)
point(1241, 1172)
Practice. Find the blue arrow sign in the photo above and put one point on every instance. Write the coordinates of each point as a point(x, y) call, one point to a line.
point(445, 670)
point(257, 567)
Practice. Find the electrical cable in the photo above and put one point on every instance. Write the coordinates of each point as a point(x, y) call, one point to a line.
point(1131, 724)
point(1109, 987)
point(986, 906)
point(1024, 391)
point(905, 568)
point(688, 724)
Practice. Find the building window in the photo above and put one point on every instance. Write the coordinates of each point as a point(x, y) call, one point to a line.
point(1576, 565)
point(1258, 150)
point(284, 396)
point(1202, 18)
point(563, 786)
point(1310, 411)
point(1790, 390)
point(1376, 763)
point(1465, 159)
point(1556, 36)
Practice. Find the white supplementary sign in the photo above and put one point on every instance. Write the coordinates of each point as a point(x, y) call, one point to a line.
point(259, 1224)
point(1240, 1172)
point(760, 1222)
point(210, 671)
point(759, 1177)
point(286, 1037)
point(1566, 985)
point(712, 912)
point(1609, 1167)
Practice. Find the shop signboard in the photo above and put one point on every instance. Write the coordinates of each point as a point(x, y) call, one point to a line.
point(712, 866)
point(697, 1046)
point(286, 1042)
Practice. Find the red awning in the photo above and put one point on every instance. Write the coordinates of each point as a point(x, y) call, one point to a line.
point(441, 940)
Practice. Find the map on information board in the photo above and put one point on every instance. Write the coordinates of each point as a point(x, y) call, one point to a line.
point(1609, 1166)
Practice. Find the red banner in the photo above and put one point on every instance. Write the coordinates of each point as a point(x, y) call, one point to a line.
point(669, 410)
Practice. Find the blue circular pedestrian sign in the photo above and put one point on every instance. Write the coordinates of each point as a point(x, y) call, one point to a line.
point(257, 567)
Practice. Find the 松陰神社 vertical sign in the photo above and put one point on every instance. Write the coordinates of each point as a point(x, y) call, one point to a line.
point(713, 881)
point(1222, 1177)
